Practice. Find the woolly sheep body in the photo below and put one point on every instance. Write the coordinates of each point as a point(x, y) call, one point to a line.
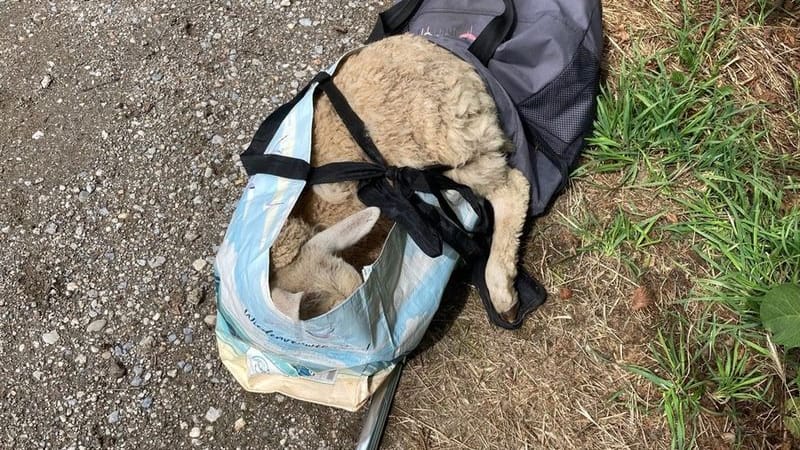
point(422, 106)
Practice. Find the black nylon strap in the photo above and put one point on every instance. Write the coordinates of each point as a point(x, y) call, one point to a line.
point(345, 171)
point(279, 165)
point(394, 20)
point(254, 159)
point(394, 191)
point(497, 31)
point(429, 226)
point(352, 122)
point(430, 180)
point(530, 294)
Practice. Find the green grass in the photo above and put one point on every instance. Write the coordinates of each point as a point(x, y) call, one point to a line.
point(669, 124)
point(619, 236)
point(680, 391)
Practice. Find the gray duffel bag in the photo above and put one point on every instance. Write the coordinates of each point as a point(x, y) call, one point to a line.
point(540, 61)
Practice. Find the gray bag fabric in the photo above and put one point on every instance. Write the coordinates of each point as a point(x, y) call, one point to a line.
point(540, 61)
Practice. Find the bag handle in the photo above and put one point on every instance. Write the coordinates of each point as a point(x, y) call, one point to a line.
point(266, 131)
point(394, 19)
point(498, 30)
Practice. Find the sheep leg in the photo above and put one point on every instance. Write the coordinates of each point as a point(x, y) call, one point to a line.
point(510, 203)
point(508, 192)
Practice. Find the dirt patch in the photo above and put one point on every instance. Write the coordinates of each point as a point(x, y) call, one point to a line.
point(558, 382)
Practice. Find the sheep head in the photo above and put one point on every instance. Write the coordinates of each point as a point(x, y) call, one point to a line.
point(316, 279)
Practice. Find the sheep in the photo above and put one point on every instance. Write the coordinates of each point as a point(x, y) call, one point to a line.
point(422, 106)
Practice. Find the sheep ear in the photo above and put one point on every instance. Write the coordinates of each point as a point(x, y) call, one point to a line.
point(288, 303)
point(346, 232)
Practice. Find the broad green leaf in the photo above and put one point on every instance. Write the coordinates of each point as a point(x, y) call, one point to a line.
point(780, 314)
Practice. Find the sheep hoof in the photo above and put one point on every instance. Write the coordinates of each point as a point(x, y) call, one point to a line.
point(511, 315)
point(502, 292)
